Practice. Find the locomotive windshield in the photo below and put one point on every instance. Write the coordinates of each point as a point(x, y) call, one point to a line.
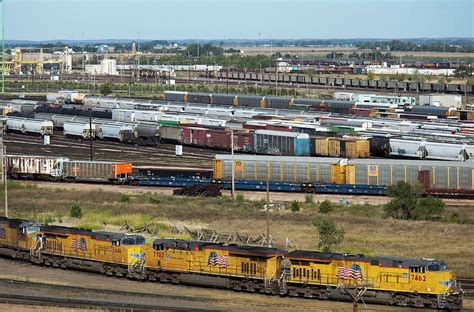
point(437, 267)
point(133, 240)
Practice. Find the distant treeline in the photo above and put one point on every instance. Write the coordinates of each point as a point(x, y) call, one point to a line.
point(215, 47)
point(436, 46)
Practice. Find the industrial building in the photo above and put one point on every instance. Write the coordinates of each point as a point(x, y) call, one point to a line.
point(445, 100)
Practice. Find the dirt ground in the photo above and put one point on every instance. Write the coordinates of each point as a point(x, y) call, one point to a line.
point(251, 195)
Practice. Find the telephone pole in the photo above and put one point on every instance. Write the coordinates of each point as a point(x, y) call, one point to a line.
point(3, 45)
point(233, 164)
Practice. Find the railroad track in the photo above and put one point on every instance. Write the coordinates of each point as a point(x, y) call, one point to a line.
point(162, 154)
point(34, 293)
point(467, 285)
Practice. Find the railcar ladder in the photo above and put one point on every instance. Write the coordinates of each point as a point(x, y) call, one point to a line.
point(37, 247)
point(285, 272)
point(138, 265)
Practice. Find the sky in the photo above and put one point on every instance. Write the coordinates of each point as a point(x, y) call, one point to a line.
point(237, 19)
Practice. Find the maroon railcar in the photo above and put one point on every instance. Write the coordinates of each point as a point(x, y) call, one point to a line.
point(266, 127)
point(243, 141)
point(362, 112)
point(205, 137)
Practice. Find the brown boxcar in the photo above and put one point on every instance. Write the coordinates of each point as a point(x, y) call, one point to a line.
point(243, 141)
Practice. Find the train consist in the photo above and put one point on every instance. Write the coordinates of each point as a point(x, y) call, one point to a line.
point(389, 86)
point(336, 175)
point(286, 174)
point(256, 130)
point(299, 273)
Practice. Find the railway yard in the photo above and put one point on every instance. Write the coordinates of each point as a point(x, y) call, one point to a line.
point(238, 174)
point(237, 156)
point(337, 150)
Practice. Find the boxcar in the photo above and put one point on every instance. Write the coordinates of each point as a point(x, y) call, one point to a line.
point(175, 96)
point(277, 102)
point(281, 143)
point(199, 98)
point(250, 100)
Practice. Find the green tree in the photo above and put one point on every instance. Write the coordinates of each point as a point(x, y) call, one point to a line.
point(75, 211)
point(428, 208)
point(404, 199)
point(464, 71)
point(105, 88)
point(326, 206)
point(295, 206)
point(330, 235)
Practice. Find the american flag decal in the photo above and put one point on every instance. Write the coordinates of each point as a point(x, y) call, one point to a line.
point(3, 234)
point(79, 244)
point(218, 260)
point(347, 272)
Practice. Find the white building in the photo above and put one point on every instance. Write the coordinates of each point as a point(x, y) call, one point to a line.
point(106, 67)
point(445, 100)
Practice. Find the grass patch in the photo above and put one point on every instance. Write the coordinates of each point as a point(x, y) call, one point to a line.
point(125, 199)
point(366, 231)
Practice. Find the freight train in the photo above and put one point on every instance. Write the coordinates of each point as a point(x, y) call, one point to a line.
point(389, 86)
point(299, 273)
point(385, 107)
point(286, 174)
point(267, 138)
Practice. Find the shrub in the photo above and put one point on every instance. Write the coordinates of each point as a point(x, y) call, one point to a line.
point(330, 235)
point(404, 199)
point(75, 211)
point(295, 206)
point(48, 219)
point(154, 200)
point(455, 217)
point(326, 207)
point(308, 199)
point(428, 208)
point(125, 199)
point(106, 88)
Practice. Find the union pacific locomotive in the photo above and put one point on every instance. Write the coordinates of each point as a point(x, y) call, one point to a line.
point(310, 274)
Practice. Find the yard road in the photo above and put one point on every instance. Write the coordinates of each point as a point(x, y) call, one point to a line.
point(274, 196)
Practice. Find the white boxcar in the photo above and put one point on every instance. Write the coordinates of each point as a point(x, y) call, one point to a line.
point(36, 166)
point(78, 129)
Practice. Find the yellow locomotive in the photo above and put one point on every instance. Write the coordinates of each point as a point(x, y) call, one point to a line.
point(311, 274)
point(106, 252)
point(248, 268)
point(390, 280)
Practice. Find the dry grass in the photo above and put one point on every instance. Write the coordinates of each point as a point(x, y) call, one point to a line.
point(366, 230)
